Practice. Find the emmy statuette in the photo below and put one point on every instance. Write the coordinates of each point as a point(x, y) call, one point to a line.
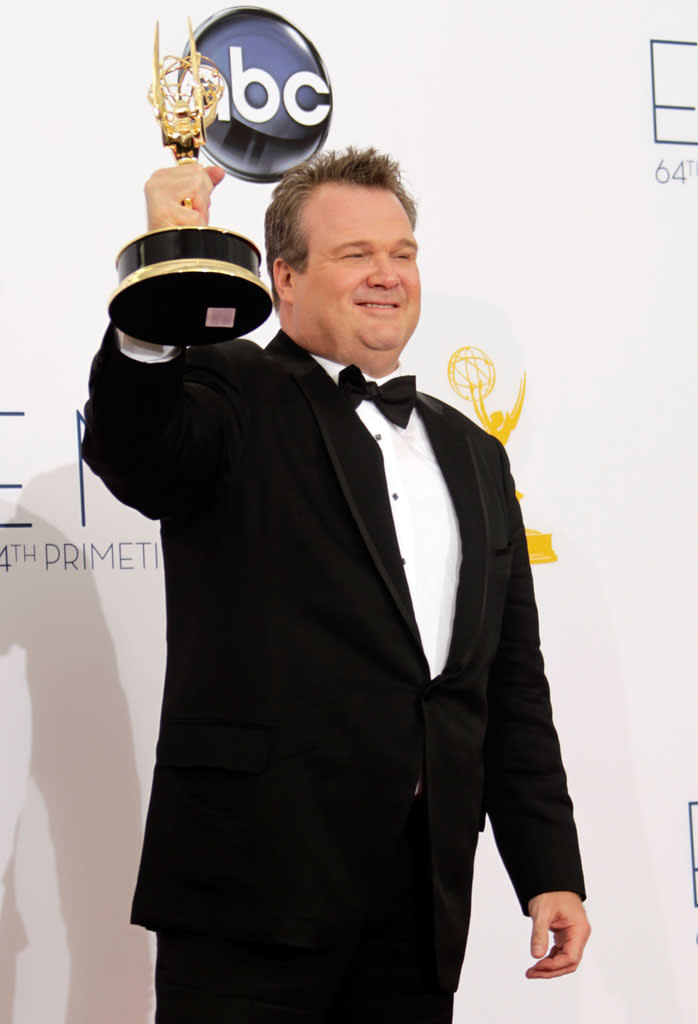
point(188, 285)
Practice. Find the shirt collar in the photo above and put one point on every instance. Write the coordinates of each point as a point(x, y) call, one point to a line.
point(334, 369)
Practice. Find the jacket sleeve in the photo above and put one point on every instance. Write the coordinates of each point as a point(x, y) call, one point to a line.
point(160, 434)
point(526, 794)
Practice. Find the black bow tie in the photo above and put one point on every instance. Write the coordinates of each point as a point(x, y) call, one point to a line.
point(395, 398)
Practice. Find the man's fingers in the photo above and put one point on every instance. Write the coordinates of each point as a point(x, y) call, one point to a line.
point(559, 961)
point(553, 969)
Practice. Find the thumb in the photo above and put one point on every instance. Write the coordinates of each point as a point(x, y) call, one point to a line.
point(539, 937)
point(215, 174)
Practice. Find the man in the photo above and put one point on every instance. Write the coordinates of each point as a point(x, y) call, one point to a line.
point(354, 676)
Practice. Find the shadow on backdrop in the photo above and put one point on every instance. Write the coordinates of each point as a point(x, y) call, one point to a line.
point(83, 764)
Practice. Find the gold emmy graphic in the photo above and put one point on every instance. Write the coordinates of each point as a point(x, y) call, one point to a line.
point(188, 285)
point(472, 375)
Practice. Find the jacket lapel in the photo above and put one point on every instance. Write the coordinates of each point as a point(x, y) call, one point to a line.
point(454, 453)
point(358, 465)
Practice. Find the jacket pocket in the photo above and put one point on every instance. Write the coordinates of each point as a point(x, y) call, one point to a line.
point(230, 746)
point(500, 561)
point(503, 553)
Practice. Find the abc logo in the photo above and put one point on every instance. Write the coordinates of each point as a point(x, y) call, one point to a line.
point(277, 103)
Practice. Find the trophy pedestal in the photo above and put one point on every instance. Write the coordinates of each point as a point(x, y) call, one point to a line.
point(189, 286)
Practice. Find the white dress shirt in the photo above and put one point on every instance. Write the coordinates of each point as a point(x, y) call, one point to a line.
point(425, 520)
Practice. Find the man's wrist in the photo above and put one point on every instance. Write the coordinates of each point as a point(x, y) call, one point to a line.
point(145, 351)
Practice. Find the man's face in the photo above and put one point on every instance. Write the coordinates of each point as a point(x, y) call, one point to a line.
point(357, 301)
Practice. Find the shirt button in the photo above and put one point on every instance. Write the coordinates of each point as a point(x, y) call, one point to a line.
point(378, 437)
point(395, 496)
point(404, 561)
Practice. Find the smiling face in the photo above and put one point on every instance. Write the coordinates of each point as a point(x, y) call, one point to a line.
point(357, 300)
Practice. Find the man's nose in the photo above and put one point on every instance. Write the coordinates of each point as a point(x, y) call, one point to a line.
point(383, 273)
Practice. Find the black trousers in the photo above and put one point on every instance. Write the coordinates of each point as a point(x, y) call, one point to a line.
point(384, 973)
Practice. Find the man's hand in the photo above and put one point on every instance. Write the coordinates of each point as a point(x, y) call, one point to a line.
point(562, 914)
point(167, 189)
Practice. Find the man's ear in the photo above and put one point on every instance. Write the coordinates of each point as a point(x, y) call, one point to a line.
point(284, 280)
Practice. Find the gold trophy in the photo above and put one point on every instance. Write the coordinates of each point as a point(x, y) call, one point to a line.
point(188, 285)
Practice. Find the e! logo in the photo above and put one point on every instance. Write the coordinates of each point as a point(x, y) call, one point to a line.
point(277, 103)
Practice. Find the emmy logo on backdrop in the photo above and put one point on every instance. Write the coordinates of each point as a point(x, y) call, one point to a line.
point(472, 375)
point(188, 285)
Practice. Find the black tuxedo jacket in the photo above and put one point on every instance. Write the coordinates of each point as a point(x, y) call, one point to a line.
point(298, 709)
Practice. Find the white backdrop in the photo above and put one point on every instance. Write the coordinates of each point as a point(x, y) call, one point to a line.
point(550, 239)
